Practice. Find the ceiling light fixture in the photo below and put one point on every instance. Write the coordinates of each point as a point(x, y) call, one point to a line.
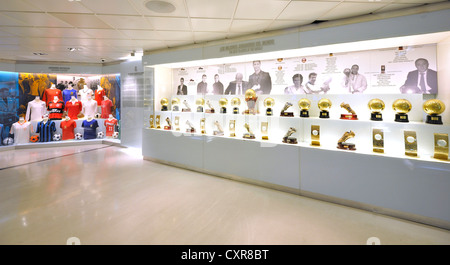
point(74, 49)
point(39, 53)
point(160, 6)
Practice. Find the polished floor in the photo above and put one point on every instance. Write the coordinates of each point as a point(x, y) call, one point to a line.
point(109, 195)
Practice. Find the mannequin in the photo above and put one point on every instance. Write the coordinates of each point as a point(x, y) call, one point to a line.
point(35, 109)
point(68, 93)
point(89, 107)
point(73, 107)
point(55, 108)
point(50, 93)
point(99, 94)
point(46, 128)
point(85, 93)
point(106, 107)
point(21, 130)
point(68, 128)
point(110, 124)
point(90, 126)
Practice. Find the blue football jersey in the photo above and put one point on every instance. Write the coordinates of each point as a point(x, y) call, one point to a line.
point(90, 129)
point(46, 130)
point(68, 93)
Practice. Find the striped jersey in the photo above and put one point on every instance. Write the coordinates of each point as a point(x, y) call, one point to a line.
point(55, 110)
point(46, 130)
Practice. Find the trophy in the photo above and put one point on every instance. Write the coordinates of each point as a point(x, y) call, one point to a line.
point(219, 130)
point(202, 125)
point(158, 118)
point(200, 102)
point(235, 102)
point(232, 128)
point(250, 98)
point(283, 113)
point(287, 138)
point(175, 103)
point(164, 104)
point(351, 116)
point(186, 104)
point(376, 106)
point(177, 123)
point(264, 130)
point(304, 104)
point(315, 135)
point(268, 103)
point(441, 146)
point(169, 124)
point(410, 143)
point(378, 140)
point(342, 144)
point(223, 104)
point(152, 122)
point(324, 105)
point(402, 107)
point(249, 134)
point(190, 128)
point(433, 108)
point(211, 108)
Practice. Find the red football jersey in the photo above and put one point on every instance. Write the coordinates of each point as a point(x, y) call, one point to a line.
point(68, 129)
point(99, 93)
point(106, 108)
point(109, 124)
point(73, 109)
point(50, 94)
point(55, 110)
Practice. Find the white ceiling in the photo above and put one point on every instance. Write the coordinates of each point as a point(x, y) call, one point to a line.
point(112, 29)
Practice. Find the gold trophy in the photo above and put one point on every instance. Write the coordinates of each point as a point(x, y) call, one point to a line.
point(232, 128)
point(249, 134)
point(157, 120)
point(268, 103)
point(284, 112)
point(236, 102)
point(342, 144)
point(434, 107)
point(190, 128)
point(402, 107)
point(376, 106)
point(264, 130)
point(287, 138)
point(211, 108)
point(200, 102)
point(164, 104)
point(219, 130)
point(169, 124)
point(378, 140)
point(315, 135)
point(177, 123)
point(152, 125)
point(324, 105)
point(441, 146)
point(175, 104)
point(223, 104)
point(351, 116)
point(187, 106)
point(304, 104)
point(250, 98)
point(202, 125)
point(410, 143)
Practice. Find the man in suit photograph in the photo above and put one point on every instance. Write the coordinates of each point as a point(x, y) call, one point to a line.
point(238, 86)
point(217, 86)
point(202, 87)
point(182, 88)
point(422, 80)
point(260, 81)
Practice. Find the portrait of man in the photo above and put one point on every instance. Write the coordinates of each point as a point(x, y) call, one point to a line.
point(297, 87)
point(422, 80)
point(217, 86)
point(357, 83)
point(202, 87)
point(260, 81)
point(311, 87)
point(182, 88)
point(238, 86)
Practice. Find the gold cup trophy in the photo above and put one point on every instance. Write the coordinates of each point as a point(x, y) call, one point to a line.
point(376, 106)
point(342, 144)
point(433, 108)
point(200, 102)
point(304, 104)
point(284, 112)
point(250, 98)
point(351, 115)
point(235, 102)
point(269, 103)
point(175, 104)
point(223, 105)
point(402, 107)
point(324, 105)
point(164, 104)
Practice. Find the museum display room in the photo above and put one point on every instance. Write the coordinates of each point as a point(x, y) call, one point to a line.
point(357, 119)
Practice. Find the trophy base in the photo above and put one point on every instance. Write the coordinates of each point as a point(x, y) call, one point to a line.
point(203, 132)
point(210, 111)
point(152, 127)
point(158, 127)
point(186, 110)
point(441, 157)
point(190, 130)
point(175, 108)
point(250, 111)
point(223, 110)
point(236, 111)
point(315, 143)
point(376, 117)
point(269, 112)
point(434, 119)
point(232, 135)
point(199, 109)
point(378, 150)
point(349, 117)
point(286, 114)
point(177, 129)
point(168, 128)
point(324, 114)
point(265, 138)
point(249, 136)
point(164, 108)
point(401, 117)
point(346, 146)
point(304, 114)
point(289, 140)
point(217, 133)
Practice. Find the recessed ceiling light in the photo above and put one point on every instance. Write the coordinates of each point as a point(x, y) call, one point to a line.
point(74, 49)
point(39, 53)
point(160, 6)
